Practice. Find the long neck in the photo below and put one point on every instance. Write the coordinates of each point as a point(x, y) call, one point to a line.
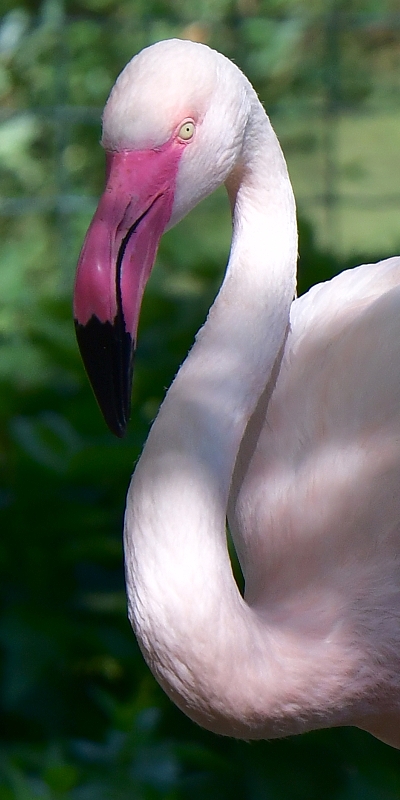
point(197, 633)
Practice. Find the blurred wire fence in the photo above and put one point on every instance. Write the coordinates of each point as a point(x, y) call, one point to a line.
point(330, 82)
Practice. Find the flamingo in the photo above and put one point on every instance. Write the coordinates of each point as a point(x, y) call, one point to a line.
point(284, 418)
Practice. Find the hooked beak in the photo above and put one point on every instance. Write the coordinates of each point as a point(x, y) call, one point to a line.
point(113, 268)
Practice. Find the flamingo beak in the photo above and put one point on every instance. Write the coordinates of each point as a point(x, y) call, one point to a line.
point(113, 268)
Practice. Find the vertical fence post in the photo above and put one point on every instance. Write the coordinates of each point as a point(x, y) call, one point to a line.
point(61, 140)
point(331, 116)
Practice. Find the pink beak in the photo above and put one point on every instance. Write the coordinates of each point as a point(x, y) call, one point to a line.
point(113, 268)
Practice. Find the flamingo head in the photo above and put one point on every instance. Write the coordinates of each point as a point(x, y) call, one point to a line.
point(173, 130)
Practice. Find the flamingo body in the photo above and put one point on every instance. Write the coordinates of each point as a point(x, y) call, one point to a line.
point(284, 417)
point(320, 473)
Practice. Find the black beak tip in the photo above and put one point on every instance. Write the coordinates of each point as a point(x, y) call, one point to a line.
point(107, 351)
point(116, 427)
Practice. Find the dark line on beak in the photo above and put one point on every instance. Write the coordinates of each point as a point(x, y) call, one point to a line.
point(121, 253)
point(125, 351)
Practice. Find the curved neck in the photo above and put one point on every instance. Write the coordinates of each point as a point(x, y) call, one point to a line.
point(197, 633)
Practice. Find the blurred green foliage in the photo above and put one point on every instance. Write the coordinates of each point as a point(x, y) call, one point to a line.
point(81, 717)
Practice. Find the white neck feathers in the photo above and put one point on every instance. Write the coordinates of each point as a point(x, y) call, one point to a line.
point(205, 645)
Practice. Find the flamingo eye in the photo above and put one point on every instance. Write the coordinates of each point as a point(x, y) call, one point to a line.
point(186, 131)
